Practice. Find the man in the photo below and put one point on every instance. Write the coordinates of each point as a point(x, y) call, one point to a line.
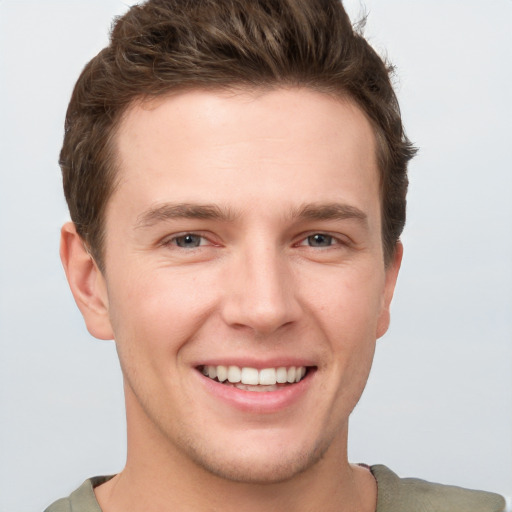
point(236, 176)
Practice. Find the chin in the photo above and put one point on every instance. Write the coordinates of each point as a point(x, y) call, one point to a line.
point(257, 463)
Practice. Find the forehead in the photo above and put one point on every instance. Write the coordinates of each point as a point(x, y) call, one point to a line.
point(293, 112)
point(281, 144)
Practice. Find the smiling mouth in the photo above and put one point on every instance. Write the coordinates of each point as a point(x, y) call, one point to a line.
point(252, 379)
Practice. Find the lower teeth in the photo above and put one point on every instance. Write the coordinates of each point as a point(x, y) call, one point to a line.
point(248, 387)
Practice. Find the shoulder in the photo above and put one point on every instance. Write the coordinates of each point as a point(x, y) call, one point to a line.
point(406, 494)
point(81, 500)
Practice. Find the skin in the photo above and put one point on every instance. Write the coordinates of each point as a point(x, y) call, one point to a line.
point(276, 167)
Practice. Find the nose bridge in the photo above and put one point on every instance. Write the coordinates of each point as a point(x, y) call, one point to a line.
point(262, 291)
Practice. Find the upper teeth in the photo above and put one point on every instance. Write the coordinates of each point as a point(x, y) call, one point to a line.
point(252, 376)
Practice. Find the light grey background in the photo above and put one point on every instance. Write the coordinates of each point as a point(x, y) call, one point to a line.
point(439, 401)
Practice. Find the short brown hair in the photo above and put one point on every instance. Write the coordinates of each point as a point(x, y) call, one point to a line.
point(170, 45)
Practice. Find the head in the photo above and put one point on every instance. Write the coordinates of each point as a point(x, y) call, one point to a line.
point(169, 46)
point(236, 171)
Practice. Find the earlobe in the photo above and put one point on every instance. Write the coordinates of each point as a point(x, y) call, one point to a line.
point(389, 287)
point(86, 282)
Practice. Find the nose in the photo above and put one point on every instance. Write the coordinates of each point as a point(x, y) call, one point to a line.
point(261, 292)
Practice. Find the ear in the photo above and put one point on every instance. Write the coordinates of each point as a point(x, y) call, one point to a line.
point(392, 270)
point(86, 281)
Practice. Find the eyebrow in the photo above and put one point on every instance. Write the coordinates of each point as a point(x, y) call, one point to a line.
point(330, 211)
point(310, 211)
point(170, 211)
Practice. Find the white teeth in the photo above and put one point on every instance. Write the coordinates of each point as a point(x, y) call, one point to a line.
point(266, 378)
point(249, 376)
point(282, 375)
point(234, 374)
point(222, 373)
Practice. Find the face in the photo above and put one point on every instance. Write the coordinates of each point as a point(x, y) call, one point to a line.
point(244, 242)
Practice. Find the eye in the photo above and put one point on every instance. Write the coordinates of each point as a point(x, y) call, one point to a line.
point(319, 240)
point(188, 241)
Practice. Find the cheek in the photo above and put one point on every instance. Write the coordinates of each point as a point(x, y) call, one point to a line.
point(158, 310)
point(348, 303)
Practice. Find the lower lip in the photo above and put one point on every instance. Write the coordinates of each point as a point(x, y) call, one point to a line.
point(255, 402)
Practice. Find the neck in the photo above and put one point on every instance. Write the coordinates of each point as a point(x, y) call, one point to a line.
point(159, 476)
